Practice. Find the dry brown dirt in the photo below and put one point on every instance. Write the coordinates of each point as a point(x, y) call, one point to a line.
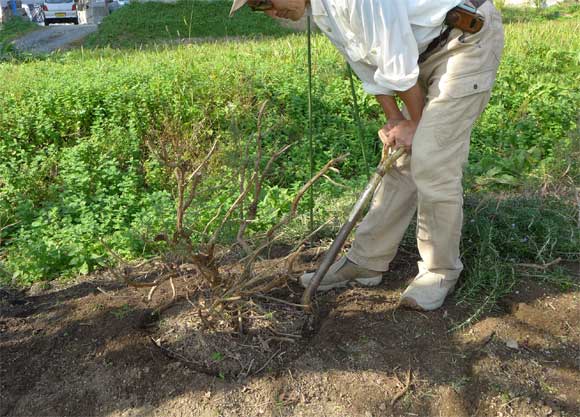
point(81, 349)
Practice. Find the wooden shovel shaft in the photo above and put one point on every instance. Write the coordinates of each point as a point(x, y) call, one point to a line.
point(385, 165)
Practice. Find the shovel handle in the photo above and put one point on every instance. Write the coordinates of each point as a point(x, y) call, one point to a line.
point(387, 162)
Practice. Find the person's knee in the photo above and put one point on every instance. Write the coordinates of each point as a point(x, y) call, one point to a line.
point(435, 182)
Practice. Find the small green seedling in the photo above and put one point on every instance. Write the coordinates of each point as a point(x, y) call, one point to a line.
point(122, 311)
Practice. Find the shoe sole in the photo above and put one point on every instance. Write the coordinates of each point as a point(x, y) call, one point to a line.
point(365, 282)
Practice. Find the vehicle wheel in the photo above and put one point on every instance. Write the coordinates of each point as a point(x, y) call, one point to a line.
point(46, 23)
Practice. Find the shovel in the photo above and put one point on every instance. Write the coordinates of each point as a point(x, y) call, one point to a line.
point(387, 162)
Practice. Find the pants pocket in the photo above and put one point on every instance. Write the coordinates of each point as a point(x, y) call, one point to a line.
point(449, 120)
point(459, 87)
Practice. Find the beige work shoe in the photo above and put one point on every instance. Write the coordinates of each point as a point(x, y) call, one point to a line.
point(341, 273)
point(427, 291)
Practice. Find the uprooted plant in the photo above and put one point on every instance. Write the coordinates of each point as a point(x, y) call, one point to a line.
point(221, 295)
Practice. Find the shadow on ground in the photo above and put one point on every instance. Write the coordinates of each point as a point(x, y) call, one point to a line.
point(81, 350)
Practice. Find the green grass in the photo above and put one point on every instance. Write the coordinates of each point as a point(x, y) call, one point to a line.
point(564, 10)
point(146, 23)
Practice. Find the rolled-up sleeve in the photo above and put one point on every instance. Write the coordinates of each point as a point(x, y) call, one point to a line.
point(385, 37)
point(366, 73)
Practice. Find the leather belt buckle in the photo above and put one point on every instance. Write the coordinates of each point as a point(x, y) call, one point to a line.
point(465, 18)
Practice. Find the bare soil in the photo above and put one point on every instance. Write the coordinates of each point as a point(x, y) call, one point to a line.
point(84, 349)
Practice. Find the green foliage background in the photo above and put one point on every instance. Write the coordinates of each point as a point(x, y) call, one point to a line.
point(74, 169)
point(140, 24)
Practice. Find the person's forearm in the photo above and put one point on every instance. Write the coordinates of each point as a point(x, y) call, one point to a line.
point(414, 100)
point(390, 107)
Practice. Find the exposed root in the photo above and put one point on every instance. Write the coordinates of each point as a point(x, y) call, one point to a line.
point(278, 300)
point(267, 362)
point(406, 388)
point(292, 258)
point(151, 292)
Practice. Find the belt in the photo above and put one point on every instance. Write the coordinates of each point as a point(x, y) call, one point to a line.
point(444, 35)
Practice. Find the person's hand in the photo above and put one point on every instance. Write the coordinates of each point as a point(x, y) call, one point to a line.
point(400, 135)
point(392, 123)
point(277, 14)
point(384, 132)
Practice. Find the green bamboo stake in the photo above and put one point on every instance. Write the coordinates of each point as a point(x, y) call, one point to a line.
point(357, 119)
point(311, 146)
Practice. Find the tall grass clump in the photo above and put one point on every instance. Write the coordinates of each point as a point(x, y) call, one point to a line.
point(510, 236)
point(502, 236)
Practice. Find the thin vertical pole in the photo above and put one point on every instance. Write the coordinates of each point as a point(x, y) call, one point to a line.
point(310, 142)
point(357, 119)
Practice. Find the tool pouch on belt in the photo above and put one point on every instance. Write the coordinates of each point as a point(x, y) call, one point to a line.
point(465, 18)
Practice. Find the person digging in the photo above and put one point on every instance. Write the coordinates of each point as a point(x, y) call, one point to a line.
point(440, 58)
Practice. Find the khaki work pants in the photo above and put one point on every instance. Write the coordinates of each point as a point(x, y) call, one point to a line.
point(457, 79)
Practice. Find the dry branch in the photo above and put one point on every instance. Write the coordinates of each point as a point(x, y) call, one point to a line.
point(405, 388)
point(183, 183)
point(542, 267)
point(278, 300)
point(577, 195)
point(226, 217)
point(253, 208)
point(267, 362)
point(204, 162)
point(289, 216)
point(314, 232)
point(290, 259)
point(244, 189)
point(301, 192)
point(257, 180)
point(247, 283)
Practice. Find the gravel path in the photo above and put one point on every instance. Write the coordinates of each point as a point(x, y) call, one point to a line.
point(53, 37)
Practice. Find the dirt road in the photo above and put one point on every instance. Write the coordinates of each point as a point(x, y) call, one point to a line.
point(53, 37)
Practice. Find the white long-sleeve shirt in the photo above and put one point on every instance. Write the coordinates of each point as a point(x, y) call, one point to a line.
point(382, 39)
